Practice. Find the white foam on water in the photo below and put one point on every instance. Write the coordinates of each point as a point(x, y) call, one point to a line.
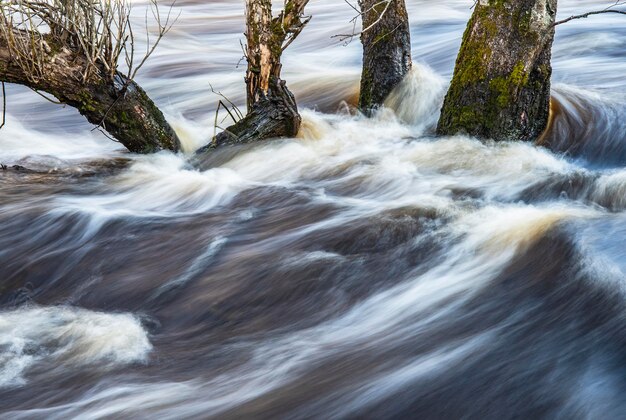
point(483, 242)
point(68, 338)
point(610, 190)
point(161, 185)
point(382, 159)
point(418, 99)
point(19, 140)
point(364, 165)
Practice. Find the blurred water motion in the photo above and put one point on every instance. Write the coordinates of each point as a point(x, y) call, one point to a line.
point(363, 270)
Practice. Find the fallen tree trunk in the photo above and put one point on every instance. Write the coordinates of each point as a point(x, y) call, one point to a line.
point(501, 84)
point(272, 110)
point(386, 39)
point(116, 104)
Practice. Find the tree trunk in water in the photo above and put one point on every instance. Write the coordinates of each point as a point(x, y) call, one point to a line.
point(386, 40)
point(501, 84)
point(118, 105)
point(272, 109)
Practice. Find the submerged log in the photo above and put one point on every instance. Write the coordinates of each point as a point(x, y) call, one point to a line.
point(386, 40)
point(118, 105)
point(272, 110)
point(501, 84)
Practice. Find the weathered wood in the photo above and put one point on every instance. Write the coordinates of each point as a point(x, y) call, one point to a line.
point(272, 109)
point(386, 40)
point(274, 116)
point(501, 84)
point(118, 105)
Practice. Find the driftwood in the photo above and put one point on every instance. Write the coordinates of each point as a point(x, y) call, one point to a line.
point(272, 110)
point(501, 84)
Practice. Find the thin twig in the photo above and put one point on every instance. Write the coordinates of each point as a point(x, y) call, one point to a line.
point(45, 97)
point(361, 13)
point(107, 135)
point(4, 106)
point(586, 15)
point(232, 104)
point(97, 30)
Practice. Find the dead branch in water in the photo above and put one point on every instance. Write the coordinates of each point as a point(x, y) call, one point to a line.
point(230, 110)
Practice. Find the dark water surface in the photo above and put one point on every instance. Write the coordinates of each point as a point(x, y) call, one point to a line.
point(364, 270)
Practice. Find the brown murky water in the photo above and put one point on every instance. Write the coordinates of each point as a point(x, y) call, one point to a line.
point(364, 270)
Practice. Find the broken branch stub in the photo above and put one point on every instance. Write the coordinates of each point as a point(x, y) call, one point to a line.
point(272, 110)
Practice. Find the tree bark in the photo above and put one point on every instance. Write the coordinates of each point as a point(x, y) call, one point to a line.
point(501, 84)
point(272, 109)
point(120, 106)
point(386, 40)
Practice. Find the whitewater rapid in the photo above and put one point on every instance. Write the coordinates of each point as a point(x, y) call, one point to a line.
point(366, 269)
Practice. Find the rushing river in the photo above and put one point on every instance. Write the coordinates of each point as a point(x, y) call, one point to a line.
point(366, 269)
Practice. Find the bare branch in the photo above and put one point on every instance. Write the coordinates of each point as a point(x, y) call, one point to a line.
point(293, 20)
point(44, 96)
point(4, 106)
point(164, 28)
point(361, 13)
point(97, 30)
point(220, 94)
point(608, 9)
point(586, 15)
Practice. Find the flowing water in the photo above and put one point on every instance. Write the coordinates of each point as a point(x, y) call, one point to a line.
point(366, 269)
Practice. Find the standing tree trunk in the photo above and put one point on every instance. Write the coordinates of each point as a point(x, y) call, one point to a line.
point(386, 40)
point(116, 104)
point(501, 84)
point(272, 109)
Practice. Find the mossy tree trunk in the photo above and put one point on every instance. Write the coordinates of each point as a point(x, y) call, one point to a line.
point(501, 84)
point(117, 104)
point(272, 109)
point(386, 40)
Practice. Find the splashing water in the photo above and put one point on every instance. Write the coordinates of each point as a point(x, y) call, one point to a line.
point(366, 269)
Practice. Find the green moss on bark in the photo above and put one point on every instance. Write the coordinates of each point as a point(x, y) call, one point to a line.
point(501, 84)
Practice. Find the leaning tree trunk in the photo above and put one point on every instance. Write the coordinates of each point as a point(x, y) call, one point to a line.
point(386, 40)
point(501, 84)
point(272, 110)
point(117, 105)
